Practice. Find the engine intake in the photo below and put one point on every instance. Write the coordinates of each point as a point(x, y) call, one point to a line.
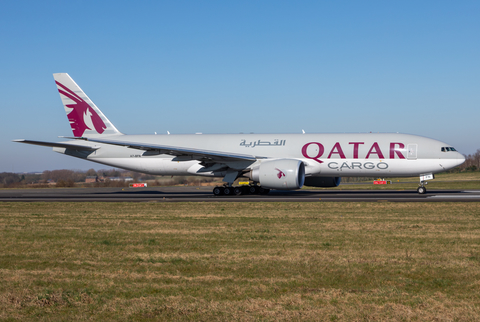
point(284, 174)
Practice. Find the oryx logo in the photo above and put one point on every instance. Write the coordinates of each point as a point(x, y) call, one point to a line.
point(82, 117)
point(280, 173)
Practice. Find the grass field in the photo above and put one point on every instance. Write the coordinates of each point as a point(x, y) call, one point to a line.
point(240, 261)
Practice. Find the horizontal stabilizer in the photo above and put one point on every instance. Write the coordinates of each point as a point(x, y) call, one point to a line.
point(59, 145)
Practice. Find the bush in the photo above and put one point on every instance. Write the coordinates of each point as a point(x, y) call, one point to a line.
point(67, 183)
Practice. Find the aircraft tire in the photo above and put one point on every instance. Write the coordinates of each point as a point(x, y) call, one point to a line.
point(227, 191)
point(422, 190)
point(238, 191)
point(253, 190)
point(218, 191)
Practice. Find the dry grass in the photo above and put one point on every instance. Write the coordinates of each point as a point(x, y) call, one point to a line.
point(240, 261)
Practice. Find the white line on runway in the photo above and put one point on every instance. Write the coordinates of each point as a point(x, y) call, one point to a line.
point(455, 196)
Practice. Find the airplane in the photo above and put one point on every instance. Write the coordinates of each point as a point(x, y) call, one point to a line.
point(267, 161)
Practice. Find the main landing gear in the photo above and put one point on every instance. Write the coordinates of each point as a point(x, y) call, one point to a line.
point(241, 190)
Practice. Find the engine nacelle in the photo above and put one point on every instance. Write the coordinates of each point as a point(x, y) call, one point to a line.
point(284, 174)
point(324, 182)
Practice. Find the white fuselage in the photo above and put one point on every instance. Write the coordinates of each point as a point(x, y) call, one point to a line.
point(337, 155)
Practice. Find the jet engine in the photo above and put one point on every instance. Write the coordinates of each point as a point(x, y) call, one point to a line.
point(324, 182)
point(284, 174)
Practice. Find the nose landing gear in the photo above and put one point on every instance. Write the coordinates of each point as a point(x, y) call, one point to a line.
point(423, 182)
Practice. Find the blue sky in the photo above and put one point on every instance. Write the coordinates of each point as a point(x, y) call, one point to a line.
point(245, 66)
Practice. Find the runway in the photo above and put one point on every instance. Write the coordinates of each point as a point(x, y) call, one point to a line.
point(204, 194)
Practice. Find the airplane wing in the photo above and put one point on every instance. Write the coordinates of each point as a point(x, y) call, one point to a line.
point(190, 153)
point(59, 145)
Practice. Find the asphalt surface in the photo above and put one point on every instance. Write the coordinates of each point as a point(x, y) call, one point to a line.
point(204, 194)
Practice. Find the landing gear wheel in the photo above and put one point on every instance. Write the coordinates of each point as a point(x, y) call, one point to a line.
point(227, 191)
point(421, 190)
point(218, 191)
point(238, 191)
point(253, 190)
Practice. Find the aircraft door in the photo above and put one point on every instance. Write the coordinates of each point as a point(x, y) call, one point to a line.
point(412, 151)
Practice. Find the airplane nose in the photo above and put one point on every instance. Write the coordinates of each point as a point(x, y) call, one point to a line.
point(460, 158)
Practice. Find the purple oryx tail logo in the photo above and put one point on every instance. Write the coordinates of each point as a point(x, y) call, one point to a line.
point(280, 173)
point(82, 117)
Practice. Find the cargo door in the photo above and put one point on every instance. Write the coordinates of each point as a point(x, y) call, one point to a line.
point(412, 151)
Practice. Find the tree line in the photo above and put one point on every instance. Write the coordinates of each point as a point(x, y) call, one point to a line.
point(64, 177)
point(105, 178)
point(472, 163)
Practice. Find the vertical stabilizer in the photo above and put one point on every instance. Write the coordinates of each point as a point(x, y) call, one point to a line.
point(84, 116)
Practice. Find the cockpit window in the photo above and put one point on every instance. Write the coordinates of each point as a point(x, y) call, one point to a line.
point(448, 149)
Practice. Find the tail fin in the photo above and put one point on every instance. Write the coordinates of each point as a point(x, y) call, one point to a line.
point(85, 118)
